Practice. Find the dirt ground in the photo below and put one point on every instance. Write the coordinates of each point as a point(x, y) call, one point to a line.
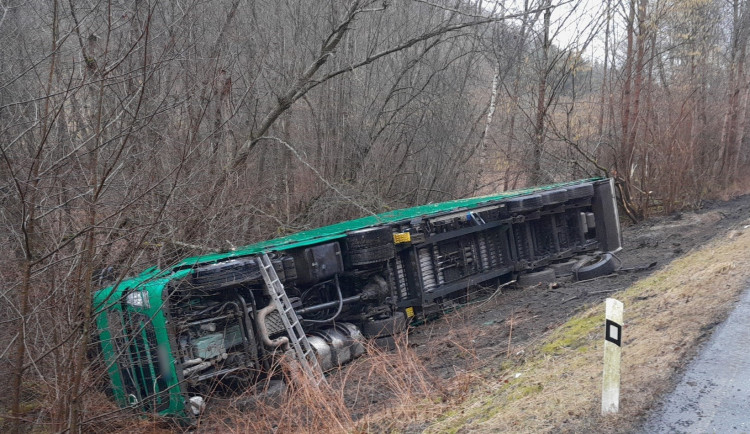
point(506, 320)
point(528, 312)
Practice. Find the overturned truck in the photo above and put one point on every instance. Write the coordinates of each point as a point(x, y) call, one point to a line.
point(219, 322)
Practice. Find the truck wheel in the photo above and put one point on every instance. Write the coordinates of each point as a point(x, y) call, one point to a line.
point(594, 266)
point(385, 327)
point(532, 279)
point(369, 246)
point(563, 268)
point(369, 237)
point(580, 191)
point(554, 197)
point(230, 272)
point(524, 203)
point(371, 255)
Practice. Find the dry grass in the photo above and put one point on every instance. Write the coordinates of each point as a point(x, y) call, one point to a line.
point(300, 406)
point(408, 393)
point(384, 388)
point(556, 387)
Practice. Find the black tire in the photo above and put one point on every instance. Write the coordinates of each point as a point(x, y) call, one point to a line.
point(524, 203)
point(594, 266)
point(230, 272)
point(581, 191)
point(369, 238)
point(385, 327)
point(532, 279)
point(372, 255)
point(369, 246)
point(554, 197)
point(564, 268)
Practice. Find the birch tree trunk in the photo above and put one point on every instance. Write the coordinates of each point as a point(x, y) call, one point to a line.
point(485, 132)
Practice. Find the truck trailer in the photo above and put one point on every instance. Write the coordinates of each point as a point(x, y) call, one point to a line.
point(219, 323)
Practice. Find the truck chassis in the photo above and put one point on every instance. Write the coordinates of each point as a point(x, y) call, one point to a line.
point(210, 324)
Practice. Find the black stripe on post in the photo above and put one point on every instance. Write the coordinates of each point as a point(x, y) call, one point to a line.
point(613, 332)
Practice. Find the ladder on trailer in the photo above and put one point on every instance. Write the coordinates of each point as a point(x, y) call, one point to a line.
point(303, 352)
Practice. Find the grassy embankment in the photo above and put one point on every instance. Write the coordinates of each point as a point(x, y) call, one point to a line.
point(556, 385)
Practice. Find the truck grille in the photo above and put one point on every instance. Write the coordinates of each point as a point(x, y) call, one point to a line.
point(137, 356)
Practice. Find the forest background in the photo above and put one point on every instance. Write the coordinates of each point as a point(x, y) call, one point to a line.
point(136, 132)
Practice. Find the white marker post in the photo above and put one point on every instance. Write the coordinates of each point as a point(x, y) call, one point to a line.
point(612, 354)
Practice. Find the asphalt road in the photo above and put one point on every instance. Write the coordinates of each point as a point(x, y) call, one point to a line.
point(714, 394)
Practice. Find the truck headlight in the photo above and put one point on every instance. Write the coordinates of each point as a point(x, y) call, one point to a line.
point(138, 299)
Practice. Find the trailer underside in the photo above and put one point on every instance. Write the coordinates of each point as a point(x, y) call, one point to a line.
point(213, 324)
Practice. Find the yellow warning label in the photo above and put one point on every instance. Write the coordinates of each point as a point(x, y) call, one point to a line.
point(410, 312)
point(403, 237)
